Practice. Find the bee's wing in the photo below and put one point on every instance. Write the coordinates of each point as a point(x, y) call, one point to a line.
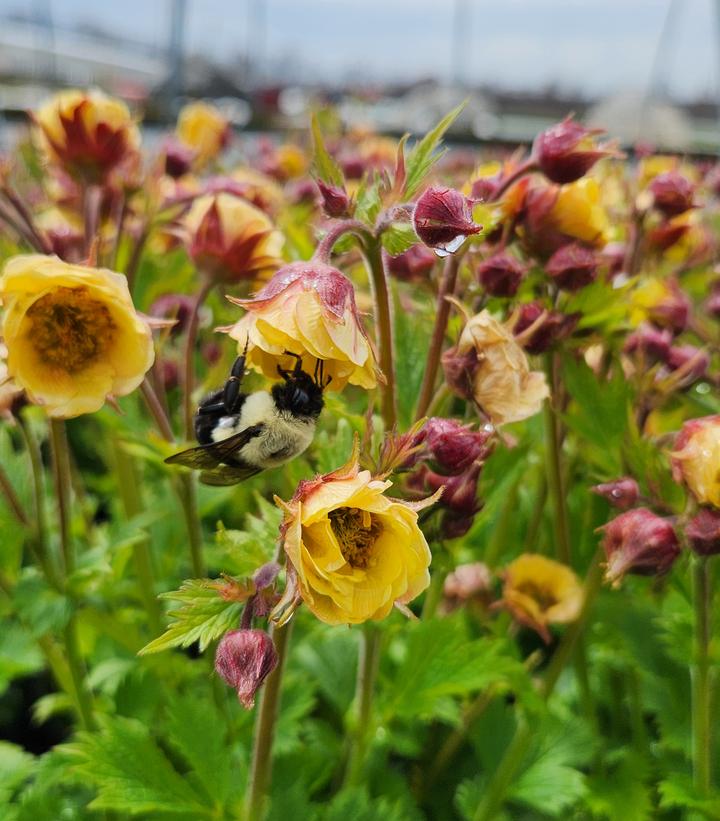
point(207, 457)
point(227, 475)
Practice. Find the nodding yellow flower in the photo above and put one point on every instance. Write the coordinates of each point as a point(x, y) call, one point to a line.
point(72, 333)
point(291, 161)
point(203, 128)
point(539, 592)
point(87, 133)
point(578, 212)
point(354, 551)
point(307, 308)
point(696, 458)
point(230, 239)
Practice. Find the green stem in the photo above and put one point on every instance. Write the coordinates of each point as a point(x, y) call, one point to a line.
point(368, 662)
point(383, 322)
point(447, 288)
point(433, 597)
point(190, 342)
point(61, 474)
point(701, 690)
point(142, 559)
point(261, 766)
point(555, 477)
point(511, 761)
point(11, 498)
point(323, 252)
point(188, 502)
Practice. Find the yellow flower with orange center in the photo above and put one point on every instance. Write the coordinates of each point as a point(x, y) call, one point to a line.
point(307, 308)
point(353, 551)
point(87, 133)
point(539, 592)
point(696, 458)
point(578, 212)
point(231, 239)
point(72, 333)
point(203, 128)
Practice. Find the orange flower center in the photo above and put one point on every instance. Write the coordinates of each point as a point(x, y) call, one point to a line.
point(69, 329)
point(356, 531)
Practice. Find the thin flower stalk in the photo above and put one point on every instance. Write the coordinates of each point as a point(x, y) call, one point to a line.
point(701, 679)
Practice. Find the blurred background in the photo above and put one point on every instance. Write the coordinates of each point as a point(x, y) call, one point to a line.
point(647, 70)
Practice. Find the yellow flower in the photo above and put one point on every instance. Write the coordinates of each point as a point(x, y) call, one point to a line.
point(354, 551)
point(696, 458)
point(86, 132)
point(291, 161)
point(203, 128)
point(578, 212)
point(9, 391)
point(259, 189)
point(539, 591)
point(72, 334)
point(488, 366)
point(231, 239)
point(307, 308)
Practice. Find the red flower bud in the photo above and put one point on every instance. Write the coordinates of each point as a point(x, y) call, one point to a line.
point(501, 274)
point(335, 201)
point(672, 193)
point(414, 264)
point(453, 526)
point(621, 493)
point(244, 659)
point(178, 157)
point(544, 328)
point(666, 234)
point(173, 306)
point(650, 342)
point(573, 266)
point(712, 305)
point(692, 361)
point(640, 542)
point(443, 219)
point(460, 494)
point(567, 151)
point(703, 532)
point(452, 446)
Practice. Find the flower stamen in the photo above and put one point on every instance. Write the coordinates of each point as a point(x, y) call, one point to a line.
point(356, 531)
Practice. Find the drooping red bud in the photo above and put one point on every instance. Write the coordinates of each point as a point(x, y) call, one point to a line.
point(443, 219)
point(501, 274)
point(459, 369)
point(703, 532)
point(649, 341)
point(567, 151)
point(412, 265)
point(639, 542)
point(452, 446)
point(178, 157)
point(335, 201)
point(460, 494)
point(537, 329)
point(672, 193)
point(573, 266)
point(244, 659)
point(621, 493)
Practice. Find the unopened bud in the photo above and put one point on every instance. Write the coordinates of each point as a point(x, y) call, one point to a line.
point(460, 494)
point(650, 342)
point(452, 446)
point(178, 157)
point(335, 201)
point(501, 274)
point(689, 361)
point(244, 659)
point(572, 267)
point(567, 151)
point(703, 532)
point(639, 542)
point(537, 329)
point(412, 265)
point(672, 193)
point(443, 219)
point(459, 368)
point(621, 493)
point(712, 305)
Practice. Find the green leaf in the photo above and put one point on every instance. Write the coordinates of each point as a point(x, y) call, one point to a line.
point(132, 774)
point(41, 608)
point(678, 791)
point(621, 791)
point(439, 662)
point(16, 766)
point(398, 238)
point(356, 805)
point(368, 201)
point(203, 617)
point(424, 155)
point(197, 732)
point(325, 166)
point(254, 546)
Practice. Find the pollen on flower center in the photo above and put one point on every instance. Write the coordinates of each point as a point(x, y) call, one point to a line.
point(356, 531)
point(69, 329)
point(544, 597)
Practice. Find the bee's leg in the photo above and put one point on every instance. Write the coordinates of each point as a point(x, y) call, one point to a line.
point(298, 362)
point(231, 391)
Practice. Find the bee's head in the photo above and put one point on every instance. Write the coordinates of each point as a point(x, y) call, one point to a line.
point(299, 393)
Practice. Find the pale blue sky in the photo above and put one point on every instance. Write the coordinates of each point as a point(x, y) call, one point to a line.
point(592, 46)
